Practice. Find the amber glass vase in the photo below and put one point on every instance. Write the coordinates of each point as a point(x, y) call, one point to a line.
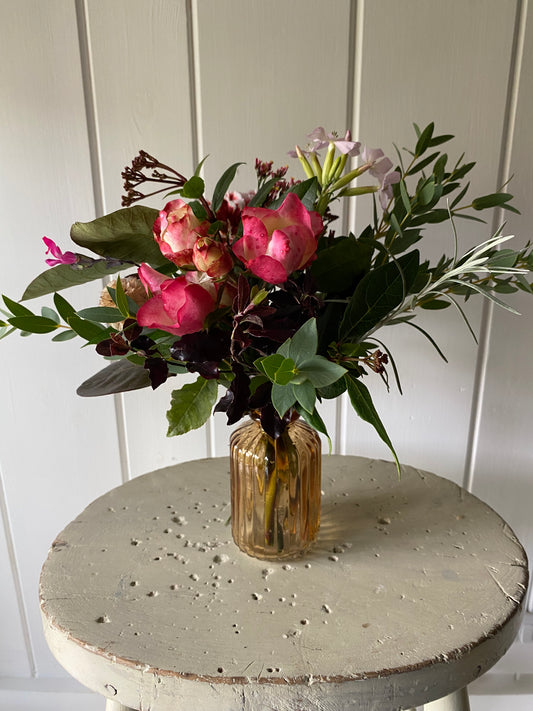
point(275, 489)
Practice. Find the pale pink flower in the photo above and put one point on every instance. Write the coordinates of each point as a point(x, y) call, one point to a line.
point(176, 231)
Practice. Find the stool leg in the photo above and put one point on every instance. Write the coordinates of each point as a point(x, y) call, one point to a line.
point(111, 705)
point(458, 701)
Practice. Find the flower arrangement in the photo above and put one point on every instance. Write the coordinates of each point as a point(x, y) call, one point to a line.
point(256, 292)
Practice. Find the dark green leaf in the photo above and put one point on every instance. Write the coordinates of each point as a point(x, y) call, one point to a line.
point(121, 299)
point(395, 224)
point(262, 194)
point(460, 196)
point(422, 164)
point(438, 140)
point(193, 188)
point(378, 293)
point(191, 406)
point(118, 377)
point(435, 305)
point(430, 339)
point(424, 139)
point(330, 392)
point(430, 218)
point(198, 209)
point(405, 196)
point(314, 420)
point(503, 258)
point(492, 200)
point(338, 268)
point(64, 308)
point(101, 314)
point(439, 167)
point(65, 275)
point(33, 324)
point(88, 330)
point(364, 407)
point(16, 308)
point(222, 186)
point(125, 234)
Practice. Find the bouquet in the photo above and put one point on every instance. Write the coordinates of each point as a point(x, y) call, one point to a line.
point(257, 293)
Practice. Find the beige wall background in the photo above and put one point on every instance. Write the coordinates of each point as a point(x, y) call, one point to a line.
point(86, 83)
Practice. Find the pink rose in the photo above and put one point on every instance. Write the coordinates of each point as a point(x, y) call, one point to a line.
point(276, 243)
point(177, 305)
point(176, 230)
point(211, 257)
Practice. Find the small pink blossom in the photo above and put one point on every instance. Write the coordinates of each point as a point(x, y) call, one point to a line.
point(178, 305)
point(176, 231)
point(379, 167)
point(321, 139)
point(59, 257)
point(276, 243)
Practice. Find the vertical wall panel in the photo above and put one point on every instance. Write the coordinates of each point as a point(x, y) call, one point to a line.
point(444, 62)
point(504, 463)
point(142, 97)
point(270, 72)
point(56, 453)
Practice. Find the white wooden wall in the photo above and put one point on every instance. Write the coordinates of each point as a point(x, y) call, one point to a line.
point(85, 83)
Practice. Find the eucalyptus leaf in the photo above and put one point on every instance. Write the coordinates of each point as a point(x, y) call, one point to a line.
point(15, 308)
point(101, 314)
point(191, 406)
point(33, 324)
point(64, 336)
point(90, 331)
point(47, 312)
point(64, 308)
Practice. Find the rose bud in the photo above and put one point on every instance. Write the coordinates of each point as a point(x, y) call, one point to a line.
point(176, 230)
point(211, 257)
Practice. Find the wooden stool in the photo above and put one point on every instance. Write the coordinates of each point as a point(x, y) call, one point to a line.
point(414, 589)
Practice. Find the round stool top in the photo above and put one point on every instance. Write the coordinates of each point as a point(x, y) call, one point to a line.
point(413, 589)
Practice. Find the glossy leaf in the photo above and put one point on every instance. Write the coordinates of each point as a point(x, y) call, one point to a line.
point(191, 406)
point(101, 314)
point(378, 293)
point(15, 308)
point(364, 407)
point(222, 187)
point(33, 324)
point(320, 371)
point(193, 188)
point(65, 310)
point(306, 395)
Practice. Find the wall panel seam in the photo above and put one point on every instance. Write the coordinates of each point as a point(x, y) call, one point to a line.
point(509, 120)
point(353, 119)
point(197, 144)
point(15, 573)
point(97, 178)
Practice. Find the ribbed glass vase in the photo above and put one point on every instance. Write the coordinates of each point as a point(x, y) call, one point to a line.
point(275, 489)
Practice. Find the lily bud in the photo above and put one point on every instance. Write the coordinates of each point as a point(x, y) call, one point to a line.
point(305, 163)
point(363, 190)
point(328, 162)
